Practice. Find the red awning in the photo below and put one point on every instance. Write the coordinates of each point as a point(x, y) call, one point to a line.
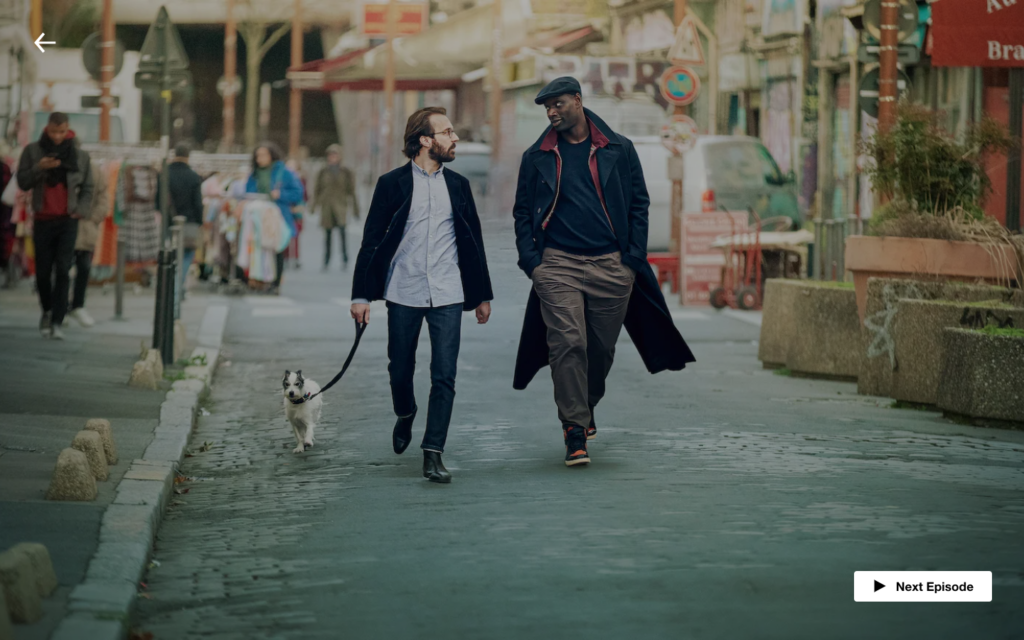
point(330, 63)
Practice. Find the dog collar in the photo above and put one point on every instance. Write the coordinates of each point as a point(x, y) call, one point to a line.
point(300, 400)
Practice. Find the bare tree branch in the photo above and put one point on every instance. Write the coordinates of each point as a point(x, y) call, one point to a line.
point(274, 37)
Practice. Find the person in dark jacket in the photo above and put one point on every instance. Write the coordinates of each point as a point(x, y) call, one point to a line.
point(185, 188)
point(581, 233)
point(59, 175)
point(423, 252)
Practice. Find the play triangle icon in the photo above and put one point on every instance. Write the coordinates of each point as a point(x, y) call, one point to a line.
point(878, 585)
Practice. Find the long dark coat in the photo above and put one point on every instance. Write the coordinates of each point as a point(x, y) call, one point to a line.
point(619, 181)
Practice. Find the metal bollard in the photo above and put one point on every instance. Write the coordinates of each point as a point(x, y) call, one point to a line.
point(167, 342)
point(178, 242)
point(159, 316)
point(122, 249)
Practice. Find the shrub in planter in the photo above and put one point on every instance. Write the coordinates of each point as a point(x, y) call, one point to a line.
point(933, 223)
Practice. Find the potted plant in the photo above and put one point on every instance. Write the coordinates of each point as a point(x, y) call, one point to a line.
point(932, 224)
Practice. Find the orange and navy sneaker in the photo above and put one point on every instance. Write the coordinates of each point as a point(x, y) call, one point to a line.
point(575, 446)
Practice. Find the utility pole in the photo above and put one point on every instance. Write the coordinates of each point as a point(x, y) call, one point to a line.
point(389, 86)
point(888, 52)
point(106, 69)
point(230, 73)
point(496, 73)
point(295, 104)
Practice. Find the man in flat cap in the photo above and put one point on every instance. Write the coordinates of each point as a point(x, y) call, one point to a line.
point(581, 232)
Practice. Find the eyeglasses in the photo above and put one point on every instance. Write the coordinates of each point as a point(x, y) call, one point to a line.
point(448, 132)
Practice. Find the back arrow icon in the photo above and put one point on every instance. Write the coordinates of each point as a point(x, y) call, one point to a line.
point(40, 42)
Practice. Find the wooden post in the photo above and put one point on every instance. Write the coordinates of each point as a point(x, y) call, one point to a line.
point(675, 241)
point(106, 69)
point(389, 87)
point(887, 57)
point(36, 19)
point(295, 102)
point(230, 73)
point(496, 73)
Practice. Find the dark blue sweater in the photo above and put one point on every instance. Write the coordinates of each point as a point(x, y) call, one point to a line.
point(579, 224)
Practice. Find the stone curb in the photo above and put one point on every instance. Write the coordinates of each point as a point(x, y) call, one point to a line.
point(100, 608)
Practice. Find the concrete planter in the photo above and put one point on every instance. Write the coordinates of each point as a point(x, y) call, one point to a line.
point(981, 377)
point(923, 258)
point(810, 328)
point(884, 295)
point(917, 333)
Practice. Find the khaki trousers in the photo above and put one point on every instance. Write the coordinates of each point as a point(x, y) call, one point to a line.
point(583, 301)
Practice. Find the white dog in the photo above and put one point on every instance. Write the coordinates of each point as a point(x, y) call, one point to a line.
point(302, 412)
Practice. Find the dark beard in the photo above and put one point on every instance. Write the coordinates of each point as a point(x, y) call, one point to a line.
point(437, 154)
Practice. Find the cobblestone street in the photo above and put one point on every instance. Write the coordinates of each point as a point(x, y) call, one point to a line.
point(723, 501)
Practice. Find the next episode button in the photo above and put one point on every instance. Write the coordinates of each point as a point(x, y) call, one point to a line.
point(922, 586)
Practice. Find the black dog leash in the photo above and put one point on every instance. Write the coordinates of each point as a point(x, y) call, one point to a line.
point(360, 328)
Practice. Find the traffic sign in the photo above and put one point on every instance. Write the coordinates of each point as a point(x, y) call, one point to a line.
point(92, 55)
point(908, 18)
point(680, 85)
point(162, 46)
point(868, 90)
point(687, 48)
point(679, 135)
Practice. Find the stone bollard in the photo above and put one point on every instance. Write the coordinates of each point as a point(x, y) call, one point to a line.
point(6, 632)
point(143, 376)
point(90, 443)
point(155, 360)
point(19, 587)
point(72, 478)
point(42, 566)
point(102, 427)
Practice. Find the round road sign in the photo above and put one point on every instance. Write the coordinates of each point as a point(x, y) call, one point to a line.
point(679, 135)
point(680, 85)
point(92, 55)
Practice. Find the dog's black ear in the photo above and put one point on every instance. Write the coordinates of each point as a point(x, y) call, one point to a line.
point(286, 374)
point(299, 373)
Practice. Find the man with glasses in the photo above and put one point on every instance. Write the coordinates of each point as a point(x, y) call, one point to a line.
point(423, 253)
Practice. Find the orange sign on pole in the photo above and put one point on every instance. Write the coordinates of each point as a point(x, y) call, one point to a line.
point(409, 19)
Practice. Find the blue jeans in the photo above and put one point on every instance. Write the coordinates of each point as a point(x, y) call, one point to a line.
point(445, 327)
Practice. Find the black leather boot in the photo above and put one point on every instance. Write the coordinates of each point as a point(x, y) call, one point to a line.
point(402, 434)
point(433, 469)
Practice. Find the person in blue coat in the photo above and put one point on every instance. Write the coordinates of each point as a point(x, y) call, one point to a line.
point(271, 177)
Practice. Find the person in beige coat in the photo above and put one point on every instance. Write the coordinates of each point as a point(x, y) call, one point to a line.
point(85, 244)
point(335, 193)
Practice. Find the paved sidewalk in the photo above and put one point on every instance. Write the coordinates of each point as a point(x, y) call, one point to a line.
point(48, 389)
